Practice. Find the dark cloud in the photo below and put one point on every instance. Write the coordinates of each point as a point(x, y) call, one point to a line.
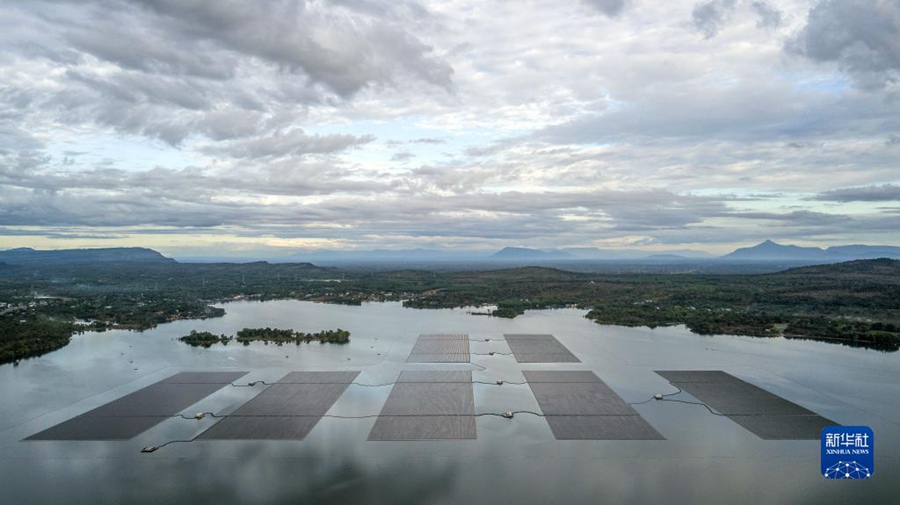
point(611, 8)
point(344, 52)
point(796, 218)
point(769, 16)
point(882, 193)
point(708, 17)
point(171, 69)
point(861, 36)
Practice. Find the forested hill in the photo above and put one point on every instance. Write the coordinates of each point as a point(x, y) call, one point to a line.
point(883, 267)
point(28, 256)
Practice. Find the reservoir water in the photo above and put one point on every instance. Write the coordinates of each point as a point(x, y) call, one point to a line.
point(703, 459)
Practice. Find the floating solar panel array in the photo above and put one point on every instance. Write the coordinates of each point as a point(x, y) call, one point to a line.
point(764, 414)
point(440, 348)
point(580, 406)
point(286, 410)
point(139, 411)
point(428, 405)
point(535, 348)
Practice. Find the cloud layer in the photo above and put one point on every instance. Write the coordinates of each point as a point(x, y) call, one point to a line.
point(470, 124)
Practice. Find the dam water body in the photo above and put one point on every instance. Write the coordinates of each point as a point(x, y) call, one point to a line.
point(356, 452)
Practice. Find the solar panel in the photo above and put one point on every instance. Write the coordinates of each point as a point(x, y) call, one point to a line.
point(538, 348)
point(580, 406)
point(440, 348)
point(136, 412)
point(629, 427)
point(764, 414)
point(286, 410)
point(435, 376)
point(444, 336)
point(438, 358)
point(559, 376)
point(319, 378)
point(428, 405)
point(389, 428)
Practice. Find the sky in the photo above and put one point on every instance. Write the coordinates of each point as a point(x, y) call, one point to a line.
point(224, 127)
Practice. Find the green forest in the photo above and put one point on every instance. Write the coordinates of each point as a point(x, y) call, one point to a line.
point(854, 303)
point(267, 335)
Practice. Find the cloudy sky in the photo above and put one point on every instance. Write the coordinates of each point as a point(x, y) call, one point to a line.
point(245, 127)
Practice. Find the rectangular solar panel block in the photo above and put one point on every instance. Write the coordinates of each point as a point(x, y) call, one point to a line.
point(156, 400)
point(632, 427)
point(441, 346)
point(741, 398)
point(421, 376)
point(429, 399)
point(526, 336)
point(784, 427)
point(423, 428)
point(539, 349)
point(293, 400)
point(444, 336)
point(559, 376)
point(697, 376)
point(579, 398)
point(203, 378)
point(535, 346)
point(428, 405)
point(136, 412)
point(261, 428)
point(546, 358)
point(438, 358)
point(85, 427)
point(764, 414)
point(286, 410)
point(580, 406)
point(319, 378)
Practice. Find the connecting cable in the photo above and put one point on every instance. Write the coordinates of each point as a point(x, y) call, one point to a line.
point(500, 382)
point(659, 396)
point(372, 385)
point(154, 448)
point(711, 411)
point(251, 384)
point(664, 398)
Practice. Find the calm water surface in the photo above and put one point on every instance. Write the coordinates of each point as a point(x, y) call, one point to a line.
point(705, 459)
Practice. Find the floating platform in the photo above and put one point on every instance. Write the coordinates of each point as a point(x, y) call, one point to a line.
point(760, 412)
point(579, 406)
point(139, 411)
point(286, 410)
point(539, 348)
point(440, 348)
point(430, 405)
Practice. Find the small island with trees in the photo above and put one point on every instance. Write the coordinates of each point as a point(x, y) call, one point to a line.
point(266, 335)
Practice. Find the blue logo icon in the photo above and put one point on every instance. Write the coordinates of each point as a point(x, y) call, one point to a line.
point(848, 452)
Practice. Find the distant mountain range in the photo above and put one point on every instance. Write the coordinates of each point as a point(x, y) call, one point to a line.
point(770, 251)
point(767, 251)
point(29, 256)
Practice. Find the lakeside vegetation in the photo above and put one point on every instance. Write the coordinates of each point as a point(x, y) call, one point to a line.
point(855, 303)
point(267, 335)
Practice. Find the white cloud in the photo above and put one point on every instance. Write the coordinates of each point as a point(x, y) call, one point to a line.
point(464, 122)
